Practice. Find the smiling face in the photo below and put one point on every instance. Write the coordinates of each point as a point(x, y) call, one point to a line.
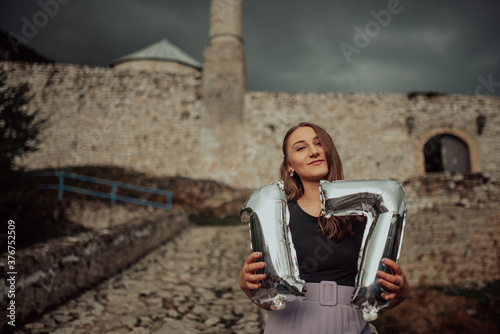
point(306, 156)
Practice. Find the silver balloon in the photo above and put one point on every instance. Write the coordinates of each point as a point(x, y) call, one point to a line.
point(382, 202)
point(267, 213)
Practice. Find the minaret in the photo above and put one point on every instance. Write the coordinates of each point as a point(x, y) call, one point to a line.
point(224, 82)
point(223, 91)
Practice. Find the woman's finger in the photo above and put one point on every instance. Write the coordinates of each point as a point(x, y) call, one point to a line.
point(387, 277)
point(392, 290)
point(255, 278)
point(388, 296)
point(395, 268)
point(252, 257)
point(390, 287)
point(253, 267)
point(253, 286)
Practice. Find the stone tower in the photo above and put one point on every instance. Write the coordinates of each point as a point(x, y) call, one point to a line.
point(223, 88)
point(223, 83)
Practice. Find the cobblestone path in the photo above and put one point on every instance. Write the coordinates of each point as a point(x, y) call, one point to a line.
point(187, 285)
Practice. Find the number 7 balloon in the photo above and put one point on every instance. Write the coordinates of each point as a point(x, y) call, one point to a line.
point(382, 202)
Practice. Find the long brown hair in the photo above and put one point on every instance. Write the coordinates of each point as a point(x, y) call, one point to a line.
point(333, 227)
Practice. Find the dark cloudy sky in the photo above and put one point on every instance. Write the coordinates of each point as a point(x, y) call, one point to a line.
point(291, 45)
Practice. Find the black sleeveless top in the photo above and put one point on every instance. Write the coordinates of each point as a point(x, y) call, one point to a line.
point(319, 258)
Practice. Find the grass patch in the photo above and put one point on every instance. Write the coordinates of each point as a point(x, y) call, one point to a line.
point(206, 220)
point(491, 289)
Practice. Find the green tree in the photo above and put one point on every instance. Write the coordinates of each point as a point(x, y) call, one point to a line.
point(19, 130)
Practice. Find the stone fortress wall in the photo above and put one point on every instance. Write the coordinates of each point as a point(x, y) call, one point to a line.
point(370, 130)
point(98, 116)
point(151, 121)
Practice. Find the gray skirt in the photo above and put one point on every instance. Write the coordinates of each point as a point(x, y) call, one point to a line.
point(326, 309)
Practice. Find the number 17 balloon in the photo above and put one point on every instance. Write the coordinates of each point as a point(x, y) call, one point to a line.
point(380, 201)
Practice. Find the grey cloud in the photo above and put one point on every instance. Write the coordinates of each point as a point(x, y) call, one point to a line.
point(290, 45)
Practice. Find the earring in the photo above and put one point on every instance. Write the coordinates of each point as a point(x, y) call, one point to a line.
point(291, 173)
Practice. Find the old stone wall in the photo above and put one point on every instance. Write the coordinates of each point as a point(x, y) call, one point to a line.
point(98, 215)
point(369, 130)
point(100, 116)
point(152, 122)
point(157, 65)
point(50, 273)
point(452, 230)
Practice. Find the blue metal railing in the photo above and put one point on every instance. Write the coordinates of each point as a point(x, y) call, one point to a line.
point(61, 187)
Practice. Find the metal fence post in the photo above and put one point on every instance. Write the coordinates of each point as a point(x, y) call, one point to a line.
point(113, 193)
point(61, 186)
point(169, 202)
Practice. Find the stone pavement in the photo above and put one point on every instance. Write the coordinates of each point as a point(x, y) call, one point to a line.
point(187, 285)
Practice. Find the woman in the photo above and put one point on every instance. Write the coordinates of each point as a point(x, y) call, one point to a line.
point(327, 249)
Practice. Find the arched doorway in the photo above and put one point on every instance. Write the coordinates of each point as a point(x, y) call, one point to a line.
point(445, 152)
point(458, 146)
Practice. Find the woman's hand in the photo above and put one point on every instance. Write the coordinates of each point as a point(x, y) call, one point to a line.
point(395, 284)
point(248, 279)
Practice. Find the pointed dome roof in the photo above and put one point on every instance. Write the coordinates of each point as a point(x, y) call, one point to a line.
point(162, 50)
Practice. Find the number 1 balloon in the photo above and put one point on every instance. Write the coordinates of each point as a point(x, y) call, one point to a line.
point(267, 213)
point(382, 202)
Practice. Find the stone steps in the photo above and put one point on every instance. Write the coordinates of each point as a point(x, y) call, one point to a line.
point(187, 285)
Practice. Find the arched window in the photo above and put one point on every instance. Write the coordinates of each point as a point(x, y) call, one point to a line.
point(445, 152)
